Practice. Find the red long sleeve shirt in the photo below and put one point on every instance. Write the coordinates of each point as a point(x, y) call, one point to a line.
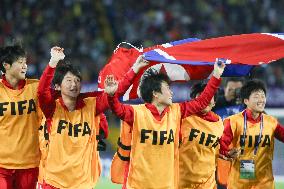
point(227, 136)
point(126, 112)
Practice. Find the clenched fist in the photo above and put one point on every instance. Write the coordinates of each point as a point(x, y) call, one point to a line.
point(56, 54)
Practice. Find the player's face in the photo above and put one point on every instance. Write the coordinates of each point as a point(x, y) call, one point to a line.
point(18, 69)
point(70, 86)
point(256, 101)
point(166, 95)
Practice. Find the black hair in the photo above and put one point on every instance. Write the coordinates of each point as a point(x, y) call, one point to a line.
point(151, 82)
point(250, 87)
point(234, 79)
point(10, 54)
point(62, 69)
point(197, 89)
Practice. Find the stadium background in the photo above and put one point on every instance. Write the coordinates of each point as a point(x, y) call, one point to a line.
point(89, 31)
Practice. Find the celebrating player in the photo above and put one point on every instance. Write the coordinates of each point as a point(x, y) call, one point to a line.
point(20, 119)
point(156, 126)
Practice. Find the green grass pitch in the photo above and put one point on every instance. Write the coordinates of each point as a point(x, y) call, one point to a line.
point(105, 183)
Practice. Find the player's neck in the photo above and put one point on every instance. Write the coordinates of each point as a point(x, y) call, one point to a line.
point(160, 107)
point(69, 102)
point(12, 81)
point(254, 114)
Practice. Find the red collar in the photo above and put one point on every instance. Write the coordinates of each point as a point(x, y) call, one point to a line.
point(79, 103)
point(250, 118)
point(21, 83)
point(155, 111)
point(210, 116)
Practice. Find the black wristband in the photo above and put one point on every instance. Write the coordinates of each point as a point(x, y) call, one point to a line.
point(123, 158)
point(122, 145)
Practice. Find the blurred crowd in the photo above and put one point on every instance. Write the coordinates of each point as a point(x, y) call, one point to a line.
point(90, 30)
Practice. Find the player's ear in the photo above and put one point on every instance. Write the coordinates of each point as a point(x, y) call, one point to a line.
point(6, 66)
point(57, 87)
point(246, 101)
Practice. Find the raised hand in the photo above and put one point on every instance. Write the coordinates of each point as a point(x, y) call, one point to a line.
point(218, 68)
point(56, 54)
point(140, 63)
point(111, 85)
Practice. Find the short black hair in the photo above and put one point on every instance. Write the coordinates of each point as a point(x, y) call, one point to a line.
point(250, 87)
point(151, 82)
point(198, 88)
point(62, 68)
point(234, 79)
point(10, 54)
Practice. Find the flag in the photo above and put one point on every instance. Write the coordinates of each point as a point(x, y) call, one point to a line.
point(193, 59)
point(250, 49)
point(123, 59)
point(120, 62)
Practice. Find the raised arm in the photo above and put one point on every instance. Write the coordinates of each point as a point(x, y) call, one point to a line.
point(196, 105)
point(45, 92)
point(127, 81)
point(124, 112)
point(123, 85)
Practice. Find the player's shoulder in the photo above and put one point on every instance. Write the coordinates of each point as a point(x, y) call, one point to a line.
point(88, 99)
point(175, 105)
point(32, 81)
point(235, 118)
point(138, 106)
point(269, 117)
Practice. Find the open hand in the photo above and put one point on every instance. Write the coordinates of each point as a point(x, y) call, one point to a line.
point(140, 63)
point(111, 85)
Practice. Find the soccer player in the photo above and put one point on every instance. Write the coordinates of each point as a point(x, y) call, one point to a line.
point(156, 126)
point(253, 131)
point(44, 138)
point(20, 119)
point(199, 147)
point(72, 121)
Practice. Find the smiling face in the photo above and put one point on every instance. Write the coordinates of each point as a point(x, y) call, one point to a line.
point(165, 96)
point(70, 86)
point(17, 69)
point(256, 101)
